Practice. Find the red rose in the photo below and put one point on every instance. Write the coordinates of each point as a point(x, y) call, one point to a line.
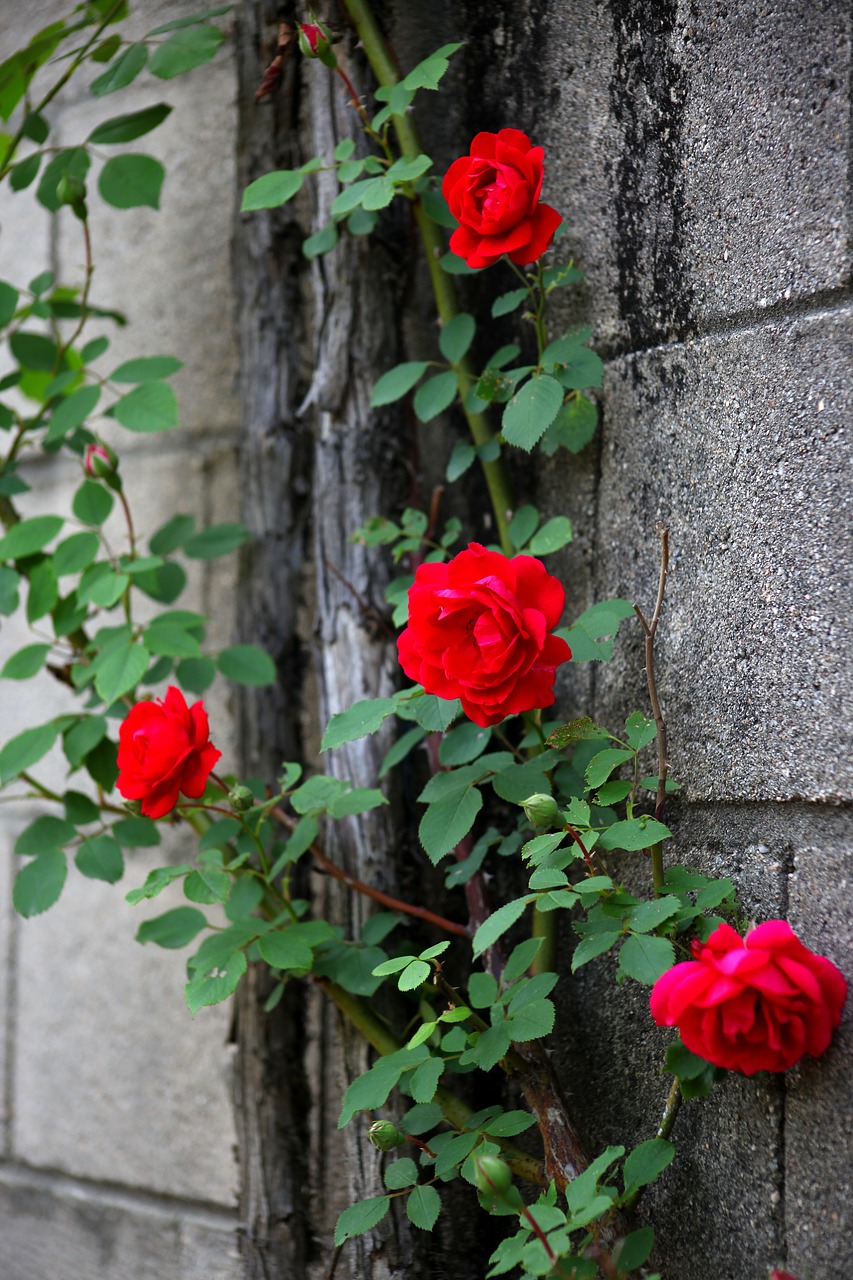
point(494, 194)
point(164, 748)
point(751, 1004)
point(479, 629)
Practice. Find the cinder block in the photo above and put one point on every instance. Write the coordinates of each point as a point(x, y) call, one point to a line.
point(113, 1079)
point(819, 1109)
point(699, 157)
point(53, 1226)
point(736, 444)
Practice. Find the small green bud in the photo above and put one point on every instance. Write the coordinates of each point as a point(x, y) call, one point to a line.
point(492, 1176)
point(240, 798)
point(385, 1136)
point(541, 810)
point(70, 189)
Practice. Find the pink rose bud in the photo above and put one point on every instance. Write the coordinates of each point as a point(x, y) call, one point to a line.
point(315, 41)
point(782, 1275)
point(100, 462)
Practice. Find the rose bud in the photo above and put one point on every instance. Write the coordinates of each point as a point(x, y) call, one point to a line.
point(492, 1175)
point(385, 1136)
point(100, 462)
point(541, 809)
point(240, 799)
point(315, 41)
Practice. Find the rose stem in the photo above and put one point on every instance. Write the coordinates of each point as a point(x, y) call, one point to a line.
point(455, 1110)
point(496, 473)
point(649, 631)
point(670, 1112)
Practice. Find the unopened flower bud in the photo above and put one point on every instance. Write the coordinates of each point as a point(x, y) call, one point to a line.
point(240, 798)
point(100, 462)
point(541, 809)
point(385, 1136)
point(315, 41)
point(70, 189)
point(492, 1175)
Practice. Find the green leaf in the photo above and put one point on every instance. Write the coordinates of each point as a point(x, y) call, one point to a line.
point(217, 984)
point(122, 71)
point(322, 241)
point(531, 411)
point(155, 882)
point(272, 190)
point(29, 536)
point(195, 675)
point(553, 535)
point(401, 1173)
point(71, 411)
point(573, 427)
point(44, 833)
point(647, 1162)
point(491, 1045)
point(189, 47)
point(131, 182)
point(634, 833)
point(428, 73)
point(44, 591)
point(82, 738)
point(595, 944)
point(650, 914)
point(435, 395)
point(456, 337)
point(407, 168)
point(39, 884)
point(682, 1063)
point(23, 173)
point(149, 407)
point(284, 949)
point(10, 581)
point(171, 535)
point(171, 640)
point(136, 833)
point(8, 303)
point(191, 20)
point(127, 128)
point(462, 457)
point(522, 525)
point(508, 302)
point(217, 540)
point(92, 503)
point(100, 858)
point(423, 1206)
point(497, 924)
point(644, 959)
point(447, 821)
point(121, 672)
point(578, 368)
point(520, 959)
point(533, 1020)
point(416, 972)
point(602, 765)
point(358, 800)
point(247, 664)
point(397, 382)
point(424, 1080)
point(173, 929)
point(463, 744)
point(34, 351)
point(431, 713)
point(25, 750)
point(148, 369)
point(25, 663)
point(591, 636)
point(359, 720)
point(631, 1252)
point(361, 1217)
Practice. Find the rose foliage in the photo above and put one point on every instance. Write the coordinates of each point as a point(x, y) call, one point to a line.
point(751, 1004)
point(494, 195)
point(164, 748)
point(480, 630)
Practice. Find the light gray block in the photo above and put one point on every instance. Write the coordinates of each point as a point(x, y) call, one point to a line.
point(736, 443)
point(113, 1079)
point(52, 1228)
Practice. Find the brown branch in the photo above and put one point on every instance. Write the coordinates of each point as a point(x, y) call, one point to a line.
point(649, 632)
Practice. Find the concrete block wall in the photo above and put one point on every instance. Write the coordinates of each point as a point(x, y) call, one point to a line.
point(117, 1158)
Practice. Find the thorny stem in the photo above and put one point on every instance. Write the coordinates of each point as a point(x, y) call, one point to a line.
point(447, 302)
point(385, 899)
point(649, 632)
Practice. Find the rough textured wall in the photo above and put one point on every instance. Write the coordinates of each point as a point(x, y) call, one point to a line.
point(117, 1144)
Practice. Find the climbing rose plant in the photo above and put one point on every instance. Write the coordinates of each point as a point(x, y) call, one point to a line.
point(558, 805)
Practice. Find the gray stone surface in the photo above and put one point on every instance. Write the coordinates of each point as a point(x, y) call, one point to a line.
point(697, 153)
point(736, 443)
point(55, 1227)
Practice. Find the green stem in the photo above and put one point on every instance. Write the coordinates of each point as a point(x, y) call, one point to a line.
point(447, 302)
point(455, 1111)
point(6, 162)
point(670, 1113)
point(544, 927)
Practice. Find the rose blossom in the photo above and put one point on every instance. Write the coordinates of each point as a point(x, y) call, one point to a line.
point(494, 194)
point(164, 748)
point(479, 629)
point(751, 1004)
